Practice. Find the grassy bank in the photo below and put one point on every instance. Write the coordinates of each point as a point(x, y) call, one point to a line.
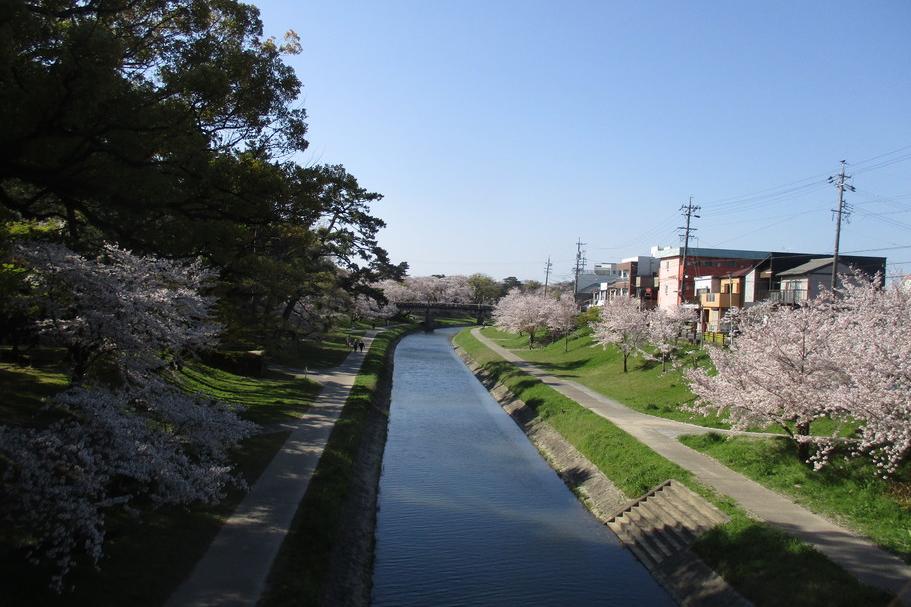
point(301, 568)
point(849, 492)
point(766, 565)
point(147, 556)
point(644, 388)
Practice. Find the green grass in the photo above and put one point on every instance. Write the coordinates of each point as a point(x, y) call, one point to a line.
point(766, 565)
point(455, 321)
point(147, 557)
point(327, 352)
point(849, 491)
point(302, 565)
point(644, 388)
point(25, 390)
point(273, 398)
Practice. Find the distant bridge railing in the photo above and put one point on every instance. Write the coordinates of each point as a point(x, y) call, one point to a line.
point(462, 307)
point(481, 311)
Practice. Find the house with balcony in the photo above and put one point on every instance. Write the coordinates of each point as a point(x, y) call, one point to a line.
point(806, 281)
point(678, 283)
point(792, 278)
point(731, 278)
point(716, 296)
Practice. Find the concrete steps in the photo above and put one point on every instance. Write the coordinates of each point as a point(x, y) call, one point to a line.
point(664, 522)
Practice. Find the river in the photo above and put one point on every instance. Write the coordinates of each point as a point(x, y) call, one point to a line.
point(469, 512)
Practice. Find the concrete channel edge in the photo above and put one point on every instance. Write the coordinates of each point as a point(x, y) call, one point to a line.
point(685, 576)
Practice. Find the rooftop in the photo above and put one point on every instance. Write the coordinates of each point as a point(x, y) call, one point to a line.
point(810, 266)
point(665, 252)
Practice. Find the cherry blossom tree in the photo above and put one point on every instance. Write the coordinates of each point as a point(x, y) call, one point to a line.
point(519, 312)
point(123, 440)
point(369, 309)
point(560, 316)
point(622, 324)
point(783, 370)
point(872, 346)
point(664, 329)
point(395, 291)
point(435, 289)
point(428, 289)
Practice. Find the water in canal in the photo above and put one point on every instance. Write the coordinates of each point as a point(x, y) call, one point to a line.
point(469, 512)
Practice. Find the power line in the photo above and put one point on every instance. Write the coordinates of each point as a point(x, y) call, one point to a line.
point(901, 149)
point(801, 184)
point(883, 164)
point(895, 248)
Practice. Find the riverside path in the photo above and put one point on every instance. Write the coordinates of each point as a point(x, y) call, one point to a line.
point(234, 569)
point(856, 554)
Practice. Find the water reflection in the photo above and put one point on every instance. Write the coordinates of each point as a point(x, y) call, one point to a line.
point(470, 514)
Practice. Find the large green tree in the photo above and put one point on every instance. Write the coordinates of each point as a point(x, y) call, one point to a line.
point(166, 126)
point(143, 119)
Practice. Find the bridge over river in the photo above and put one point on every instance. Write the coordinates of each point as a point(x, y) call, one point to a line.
point(431, 309)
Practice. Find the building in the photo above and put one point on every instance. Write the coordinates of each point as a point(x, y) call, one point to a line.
point(676, 286)
point(788, 278)
point(588, 284)
point(632, 277)
point(807, 280)
point(719, 279)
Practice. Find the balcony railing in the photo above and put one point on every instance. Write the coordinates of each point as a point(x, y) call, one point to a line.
point(719, 300)
point(789, 296)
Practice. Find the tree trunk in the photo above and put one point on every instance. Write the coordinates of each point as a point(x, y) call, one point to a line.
point(72, 228)
point(803, 447)
point(625, 356)
point(289, 306)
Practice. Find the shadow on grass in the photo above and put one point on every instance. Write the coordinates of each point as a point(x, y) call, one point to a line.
point(571, 365)
point(146, 557)
point(740, 551)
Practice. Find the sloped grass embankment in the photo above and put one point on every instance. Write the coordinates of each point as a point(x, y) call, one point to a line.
point(767, 566)
point(147, 556)
point(302, 567)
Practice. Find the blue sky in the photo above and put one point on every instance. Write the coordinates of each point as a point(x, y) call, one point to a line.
point(500, 132)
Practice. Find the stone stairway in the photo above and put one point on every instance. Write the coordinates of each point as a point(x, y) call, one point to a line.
point(664, 522)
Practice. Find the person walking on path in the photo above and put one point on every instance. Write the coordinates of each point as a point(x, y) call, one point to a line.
point(235, 567)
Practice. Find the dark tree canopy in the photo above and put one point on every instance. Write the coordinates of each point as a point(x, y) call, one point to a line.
point(167, 126)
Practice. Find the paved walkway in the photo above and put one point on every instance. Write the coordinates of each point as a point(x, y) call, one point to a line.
point(858, 555)
point(236, 565)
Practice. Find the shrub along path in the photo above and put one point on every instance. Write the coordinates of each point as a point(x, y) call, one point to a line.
point(236, 565)
point(856, 554)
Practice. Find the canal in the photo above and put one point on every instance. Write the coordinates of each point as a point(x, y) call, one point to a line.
point(469, 512)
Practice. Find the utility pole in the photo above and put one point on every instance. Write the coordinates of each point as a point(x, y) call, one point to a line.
point(580, 263)
point(843, 211)
point(547, 268)
point(688, 211)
